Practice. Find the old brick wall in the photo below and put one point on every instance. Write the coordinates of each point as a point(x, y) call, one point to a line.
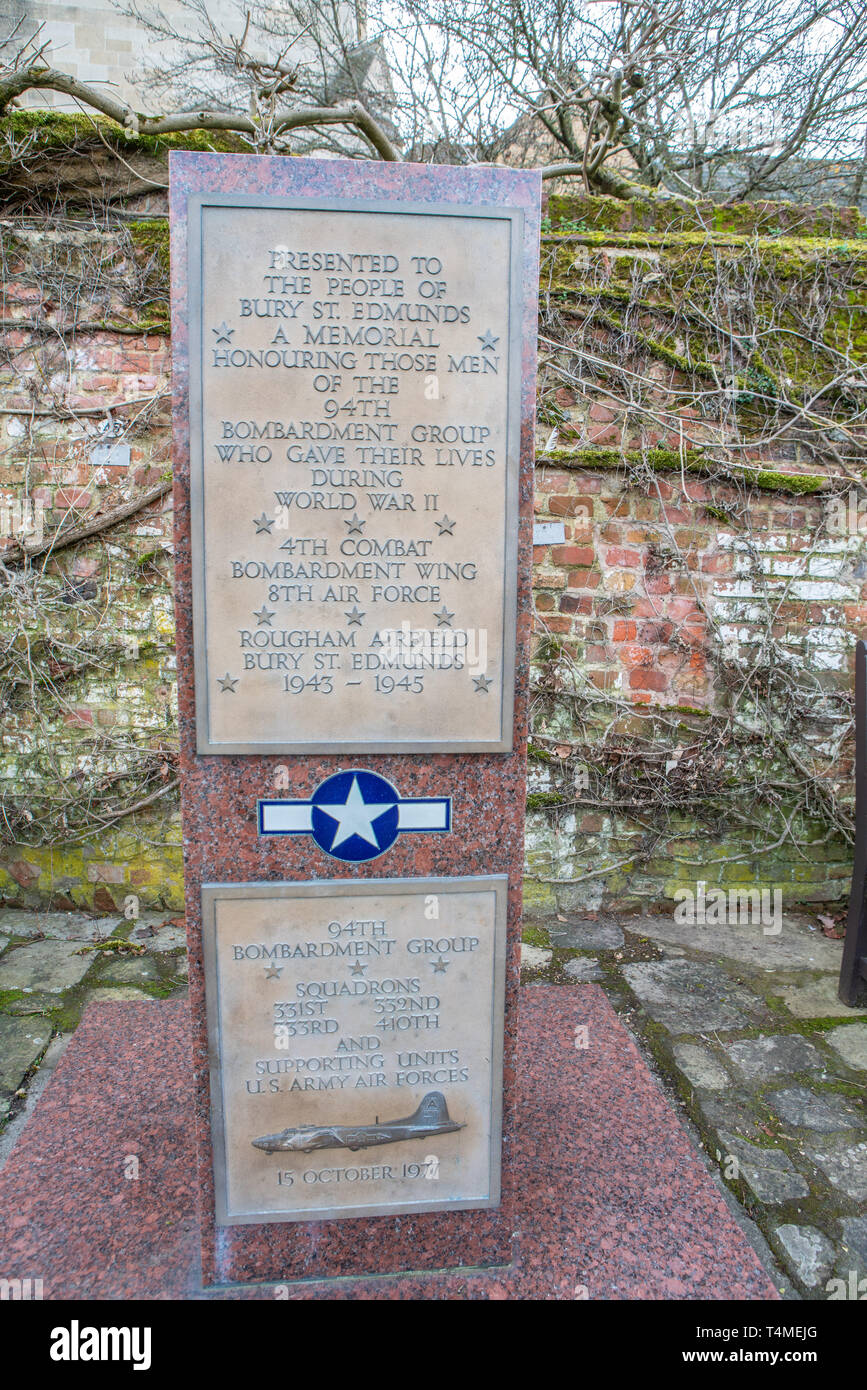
point(696, 622)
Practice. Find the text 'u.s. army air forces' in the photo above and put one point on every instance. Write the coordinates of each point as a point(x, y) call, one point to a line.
point(354, 463)
point(356, 1046)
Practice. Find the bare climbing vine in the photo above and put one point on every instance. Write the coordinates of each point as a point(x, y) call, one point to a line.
point(721, 363)
point(85, 685)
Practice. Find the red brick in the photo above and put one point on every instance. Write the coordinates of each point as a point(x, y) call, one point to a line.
point(636, 656)
point(657, 633)
point(23, 872)
point(618, 556)
point(646, 679)
point(624, 631)
point(605, 435)
point(680, 608)
point(550, 479)
point(79, 718)
point(603, 680)
point(563, 506)
point(573, 555)
point(717, 564)
point(660, 584)
point(572, 603)
point(72, 497)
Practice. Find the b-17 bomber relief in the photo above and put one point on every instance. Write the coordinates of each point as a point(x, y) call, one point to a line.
point(431, 1117)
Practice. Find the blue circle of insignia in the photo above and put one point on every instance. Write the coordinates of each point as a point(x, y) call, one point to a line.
point(354, 815)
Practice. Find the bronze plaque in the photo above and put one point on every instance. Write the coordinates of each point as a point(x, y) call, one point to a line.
point(356, 1046)
point(355, 406)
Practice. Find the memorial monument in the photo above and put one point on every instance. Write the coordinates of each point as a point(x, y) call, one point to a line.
point(354, 379)
point(354, 367)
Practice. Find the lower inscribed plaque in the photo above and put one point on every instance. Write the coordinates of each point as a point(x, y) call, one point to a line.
point(356, 1036)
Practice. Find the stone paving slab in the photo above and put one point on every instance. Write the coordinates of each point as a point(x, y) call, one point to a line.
point(116, 994)
point(582, 968)
point(535, 957)
point(44, 965)
point(693, 997)
point(845, 1167)
point(159, 932)
point(701, 1068)
point(798, 946)
point(818, 999)
point(21, 1042)
point(37, 1003)
point(584, 934)
point(59, 926)
point(854, 1243)
point(850, 1043)
point(826, 1113)
point(130, 970)
point(810, 1252)
point(760, 1059)
point(769, 1173)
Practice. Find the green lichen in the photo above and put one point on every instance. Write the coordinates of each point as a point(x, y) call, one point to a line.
point(540, 801)
point(48, 131)
point(772, 219)
point(692, 460)
point(151, 236)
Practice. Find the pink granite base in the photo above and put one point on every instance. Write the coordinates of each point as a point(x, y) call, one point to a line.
point(612, 1200)
point(219, 793)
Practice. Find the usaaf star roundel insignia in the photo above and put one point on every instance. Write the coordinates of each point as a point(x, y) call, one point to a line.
point(355, 815)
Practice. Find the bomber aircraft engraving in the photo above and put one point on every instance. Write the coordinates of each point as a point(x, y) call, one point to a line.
point(431, 1117)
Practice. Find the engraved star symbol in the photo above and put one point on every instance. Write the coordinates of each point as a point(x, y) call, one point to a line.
point(357, 968)
point(228, 682)
point(273, 972)
point(263, 523)
point(263, 615)
point(355, 524)
point(446, 527)
point(355, 816)
point(355, 616)
point(224, 333)
point(444, 617)
point(440, 966)
point(483, 684)
point(488, 340)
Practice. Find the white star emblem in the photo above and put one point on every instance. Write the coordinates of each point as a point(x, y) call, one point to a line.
point(356, 816)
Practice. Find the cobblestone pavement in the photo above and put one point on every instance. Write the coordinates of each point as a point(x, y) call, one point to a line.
point(52, 964)
point(743, 1029)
